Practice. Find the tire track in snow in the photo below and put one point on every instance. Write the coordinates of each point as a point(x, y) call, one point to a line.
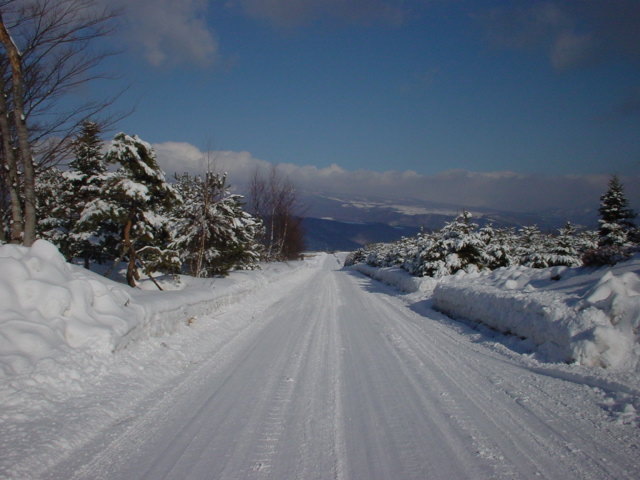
point(391, 433)
point(297, 434)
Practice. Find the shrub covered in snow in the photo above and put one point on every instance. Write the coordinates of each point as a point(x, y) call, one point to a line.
point(461, 245)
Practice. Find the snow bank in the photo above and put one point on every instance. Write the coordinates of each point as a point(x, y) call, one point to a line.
point(48, 306)
point(397, 277)
point(583, 317)
point(577, 315)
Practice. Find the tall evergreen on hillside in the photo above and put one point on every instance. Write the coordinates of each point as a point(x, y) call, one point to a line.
point(617, 235)
point(616, 218)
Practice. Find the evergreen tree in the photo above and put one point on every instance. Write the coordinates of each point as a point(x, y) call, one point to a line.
point(212, 230)
point(617, 232)
point(54, 209)
point(566, 248)
point(533, 247)
point(136, 198)
point(86, 177)
point(499, 247)
point(459, 246)
point(616, 218)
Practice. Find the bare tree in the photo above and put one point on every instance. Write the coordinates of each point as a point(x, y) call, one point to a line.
point(274, 200)
point(46, 56)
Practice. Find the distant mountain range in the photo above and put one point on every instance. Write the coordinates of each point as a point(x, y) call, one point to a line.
point(335, 222)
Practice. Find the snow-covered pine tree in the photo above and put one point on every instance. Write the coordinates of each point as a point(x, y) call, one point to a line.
point(566, 248)
point(458, 246)
point(499, 246)
point(533, 247)
point(616, 218)
point(86, 178)
point(136, 197)
point(54, 209)
point(417, 254)
point(211, 229)
point(617, 233)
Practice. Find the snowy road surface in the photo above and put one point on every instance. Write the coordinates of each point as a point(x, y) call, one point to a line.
point(336, 378)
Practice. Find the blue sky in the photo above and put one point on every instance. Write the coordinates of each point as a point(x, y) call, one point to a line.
point(533, 87)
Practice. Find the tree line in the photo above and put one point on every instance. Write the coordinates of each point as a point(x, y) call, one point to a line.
point(132, 213)
point(462, 245)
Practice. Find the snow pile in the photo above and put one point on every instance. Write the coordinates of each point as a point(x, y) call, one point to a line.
point(49, 308)
point(576, 315)
point(586, 317)
point(619, 295)
point(397, 277)
point(48, 305)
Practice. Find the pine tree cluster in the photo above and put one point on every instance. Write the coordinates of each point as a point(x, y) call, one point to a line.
point(131, 213)
point(462, 245)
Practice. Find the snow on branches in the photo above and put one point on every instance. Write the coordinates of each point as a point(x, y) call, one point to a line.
point(461, 245)
point(133, 214)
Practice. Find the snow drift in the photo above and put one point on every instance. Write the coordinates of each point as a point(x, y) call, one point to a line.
point(593, 321)
point(575, 315)
point(397, 277)
point(49, 306)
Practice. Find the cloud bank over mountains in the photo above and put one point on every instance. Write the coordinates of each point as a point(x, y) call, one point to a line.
point(506, 191)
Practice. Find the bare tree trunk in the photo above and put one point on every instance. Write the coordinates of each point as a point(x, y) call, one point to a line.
point(127, 246)
point(12, 180)
point(15, 59)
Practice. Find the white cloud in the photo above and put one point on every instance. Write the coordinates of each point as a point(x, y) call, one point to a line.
point(506, 191)
point(169, 32)
point(181, 157)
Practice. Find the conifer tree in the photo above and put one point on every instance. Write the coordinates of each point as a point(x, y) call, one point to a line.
point(566, 248)
point(616, 218)
point(459, 246)
point(499, 246)
point(533, 247)
point(86, 178)
point(54, 209)
point(617, 233)
point(136, 198)
point(211, 229)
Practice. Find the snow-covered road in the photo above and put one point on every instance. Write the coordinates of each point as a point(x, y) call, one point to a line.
point(335, 377)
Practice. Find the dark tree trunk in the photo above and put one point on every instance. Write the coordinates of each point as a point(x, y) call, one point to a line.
point(12, 180)
point(20, 122)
